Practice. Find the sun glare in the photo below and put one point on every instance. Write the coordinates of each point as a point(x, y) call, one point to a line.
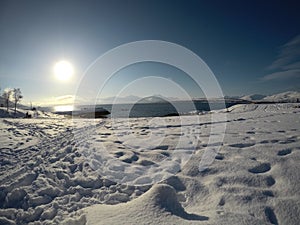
point(63, 70)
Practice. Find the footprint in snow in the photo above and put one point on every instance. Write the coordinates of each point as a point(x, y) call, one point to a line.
point(284, 152)
point(242, 145)
point(271, 216)
point(262, 168)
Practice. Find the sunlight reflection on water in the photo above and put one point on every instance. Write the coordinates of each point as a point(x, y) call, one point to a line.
point(63, 108)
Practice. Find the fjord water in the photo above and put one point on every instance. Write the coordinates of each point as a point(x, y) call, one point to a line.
point(160, 109)
point(156, 109)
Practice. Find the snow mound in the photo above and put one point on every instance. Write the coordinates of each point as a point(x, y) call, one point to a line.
point(157, 206)
point(164, 197)
point(280, 107)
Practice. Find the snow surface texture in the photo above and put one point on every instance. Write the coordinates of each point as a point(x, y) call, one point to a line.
point(254, 178)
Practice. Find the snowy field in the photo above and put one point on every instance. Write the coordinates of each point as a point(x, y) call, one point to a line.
point(64, 171)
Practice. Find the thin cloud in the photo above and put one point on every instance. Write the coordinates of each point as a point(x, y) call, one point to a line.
point(293, 42)
point(60, 100)
point(65, 98)
point(282, 75)
point(289, 54)
point(292, 66)
point(287, 64)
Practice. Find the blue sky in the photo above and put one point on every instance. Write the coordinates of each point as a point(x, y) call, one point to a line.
point(251, 46)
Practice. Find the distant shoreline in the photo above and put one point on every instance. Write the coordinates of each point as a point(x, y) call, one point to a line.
point(158, 109)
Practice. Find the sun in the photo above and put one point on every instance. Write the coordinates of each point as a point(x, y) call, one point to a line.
point(63, 70)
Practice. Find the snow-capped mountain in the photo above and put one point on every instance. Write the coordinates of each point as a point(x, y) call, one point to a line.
point(289, 96)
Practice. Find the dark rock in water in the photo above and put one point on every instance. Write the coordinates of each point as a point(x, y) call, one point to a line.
point(96, 113)
point(171, 114)
point(87, 113)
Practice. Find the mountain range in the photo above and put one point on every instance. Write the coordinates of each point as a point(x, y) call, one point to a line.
point(289, 96)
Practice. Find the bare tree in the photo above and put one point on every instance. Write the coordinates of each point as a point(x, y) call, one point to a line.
point(7, 96)
point(17, 96)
